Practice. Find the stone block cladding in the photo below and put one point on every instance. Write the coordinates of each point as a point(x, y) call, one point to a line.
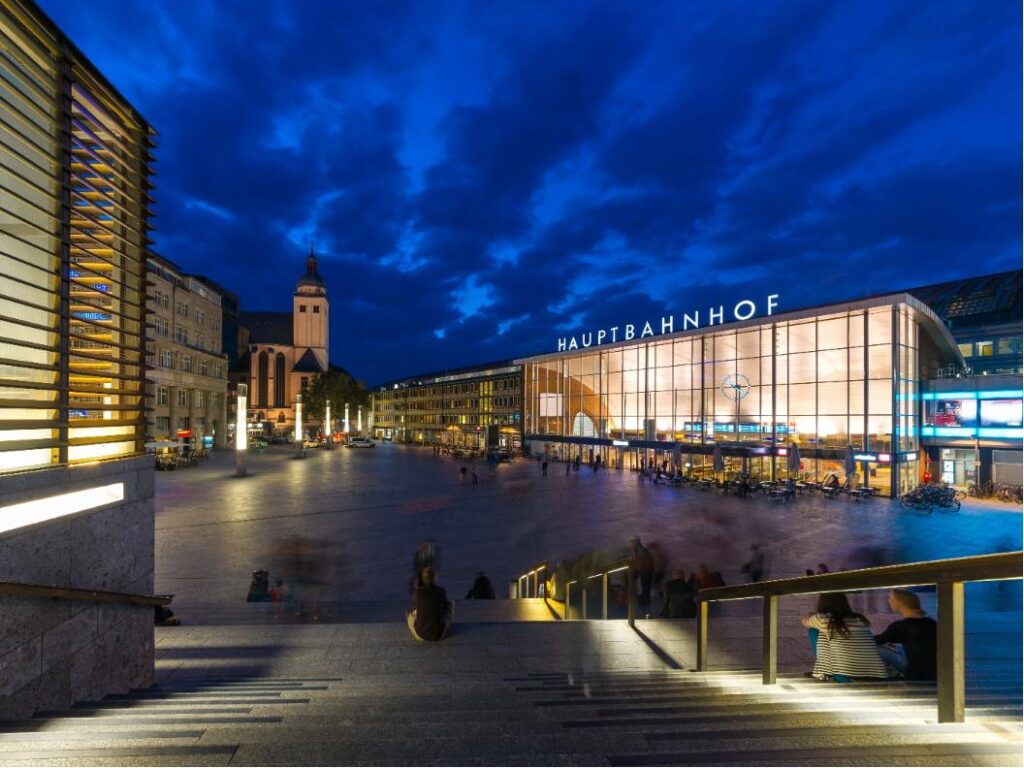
point(56, 652)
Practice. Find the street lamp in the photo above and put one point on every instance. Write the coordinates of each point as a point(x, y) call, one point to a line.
point(359, 422)
point(327, 418)
point(241, 433)
point(299, 447)
point(346, 418)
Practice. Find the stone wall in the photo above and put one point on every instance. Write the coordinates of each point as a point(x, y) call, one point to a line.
point(56, 652)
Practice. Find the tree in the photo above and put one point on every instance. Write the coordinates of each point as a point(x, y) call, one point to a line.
point(339, 387)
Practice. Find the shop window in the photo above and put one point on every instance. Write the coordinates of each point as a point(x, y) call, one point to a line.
point(1009, 346)
point(966, 349)
point(985, 348)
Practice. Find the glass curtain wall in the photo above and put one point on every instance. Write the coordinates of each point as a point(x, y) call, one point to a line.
point(74, 168)
point(827, 382)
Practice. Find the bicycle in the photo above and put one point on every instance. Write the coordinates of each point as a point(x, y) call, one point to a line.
point(928, 497)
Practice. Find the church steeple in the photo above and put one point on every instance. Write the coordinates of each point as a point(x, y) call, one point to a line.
point(311, 282)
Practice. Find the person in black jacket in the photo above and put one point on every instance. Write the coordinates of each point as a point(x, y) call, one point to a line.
point(481, 589)
point(907, 646)
point(679, 597)
point(432, 618)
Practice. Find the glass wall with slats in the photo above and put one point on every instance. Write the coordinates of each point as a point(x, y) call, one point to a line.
point(73, 206)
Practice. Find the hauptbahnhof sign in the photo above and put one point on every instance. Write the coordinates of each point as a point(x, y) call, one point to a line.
point(743, 310)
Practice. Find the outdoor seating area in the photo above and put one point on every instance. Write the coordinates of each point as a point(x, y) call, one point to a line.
point(170, 455)
point(745, 487)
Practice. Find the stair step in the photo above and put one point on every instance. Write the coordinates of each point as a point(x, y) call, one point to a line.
point(925, 754)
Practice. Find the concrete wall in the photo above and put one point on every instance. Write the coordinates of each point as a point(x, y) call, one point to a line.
point(56, 652)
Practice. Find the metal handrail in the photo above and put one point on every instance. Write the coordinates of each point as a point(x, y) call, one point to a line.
point(17, 589)
point(948, 576)
point(625, 564)
point(534, 574)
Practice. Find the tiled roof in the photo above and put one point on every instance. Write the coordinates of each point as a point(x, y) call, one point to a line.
point(308, 363)
point(268, 327)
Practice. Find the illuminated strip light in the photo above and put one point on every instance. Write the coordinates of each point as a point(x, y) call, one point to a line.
point(52, 507)
point(1000, 394)
point(620, 443)
point(1017, 432)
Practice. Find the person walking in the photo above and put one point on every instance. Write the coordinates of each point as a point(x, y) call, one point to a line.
point(462, 475)
point(475, 478)
point(643, 567)
point(544, 468)
point(755, 566)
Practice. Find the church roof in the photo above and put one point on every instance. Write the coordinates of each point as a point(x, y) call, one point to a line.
point(268, 327)
point(308, 363)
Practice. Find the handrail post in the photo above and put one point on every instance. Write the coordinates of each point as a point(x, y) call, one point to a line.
point(769, 639)
point(604, 595)
point(950, 651)
point(702, 635)
point(631, 588)
point(568, 600)
point(584, 604)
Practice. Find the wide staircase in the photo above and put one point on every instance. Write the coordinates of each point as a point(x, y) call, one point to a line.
point(513, 686)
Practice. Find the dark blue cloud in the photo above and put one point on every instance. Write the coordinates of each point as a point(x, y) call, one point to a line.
point(480, 181)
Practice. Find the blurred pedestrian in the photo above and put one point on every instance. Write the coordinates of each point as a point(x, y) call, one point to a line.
point(426, 556)
point(679, 597)
point(754, 567)
point(475, 478)
point(544, 467)
point(643, 567)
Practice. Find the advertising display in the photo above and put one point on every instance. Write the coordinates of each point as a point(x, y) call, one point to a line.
point(1002, 413)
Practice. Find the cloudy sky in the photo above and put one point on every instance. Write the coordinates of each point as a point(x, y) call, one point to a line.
point(482, 178)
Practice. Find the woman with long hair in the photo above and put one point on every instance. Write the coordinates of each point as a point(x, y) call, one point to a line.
point(844, 647)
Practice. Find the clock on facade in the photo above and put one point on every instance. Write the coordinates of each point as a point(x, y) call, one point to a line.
point(736, 386)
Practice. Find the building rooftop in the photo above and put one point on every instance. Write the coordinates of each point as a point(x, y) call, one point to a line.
point(974, 301)
point(268, 327)
point(435, 377)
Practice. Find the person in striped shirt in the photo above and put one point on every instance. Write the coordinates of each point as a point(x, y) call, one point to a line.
point(844, 647)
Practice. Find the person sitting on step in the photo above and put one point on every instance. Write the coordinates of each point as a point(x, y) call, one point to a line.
point(908, 646)
point(432, 617)
point(843, 645)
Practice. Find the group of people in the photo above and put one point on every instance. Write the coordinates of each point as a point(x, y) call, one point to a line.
point(846, 649)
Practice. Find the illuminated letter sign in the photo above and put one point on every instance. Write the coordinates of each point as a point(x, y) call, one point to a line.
point(716, 315)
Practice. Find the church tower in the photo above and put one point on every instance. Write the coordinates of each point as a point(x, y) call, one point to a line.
point(309, 314)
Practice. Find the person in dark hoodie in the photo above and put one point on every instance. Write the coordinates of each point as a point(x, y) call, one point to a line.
point(432, 618)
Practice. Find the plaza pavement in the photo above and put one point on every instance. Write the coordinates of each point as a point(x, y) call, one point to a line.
point(371, 508)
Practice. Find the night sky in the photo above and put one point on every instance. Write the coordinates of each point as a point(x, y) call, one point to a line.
point(482, 178)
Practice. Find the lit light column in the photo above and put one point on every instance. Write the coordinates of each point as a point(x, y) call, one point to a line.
point(346, 419)
point(299, 448)
point(359, 420)
point(241, 434)
point(327, 420)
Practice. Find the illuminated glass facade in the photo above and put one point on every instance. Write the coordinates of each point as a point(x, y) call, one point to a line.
point(467, 408)
point(833, 380)
point(74, 196)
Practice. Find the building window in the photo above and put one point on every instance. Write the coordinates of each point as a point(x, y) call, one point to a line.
point(302, 307)
point(261, 377)
point(166, 358)
point(985, 348)
point(218, 371)
point(213, 401)
point(1009, 346)
point(204, 368)
point(180, 335)
point(183, 422)
point(182, 308)
point(161, 395)
point(183, 398)
point(163, 425)
point(197, 398)
point(279, 380)
point(316, 309)
point(966, 349)
point(186, 363)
